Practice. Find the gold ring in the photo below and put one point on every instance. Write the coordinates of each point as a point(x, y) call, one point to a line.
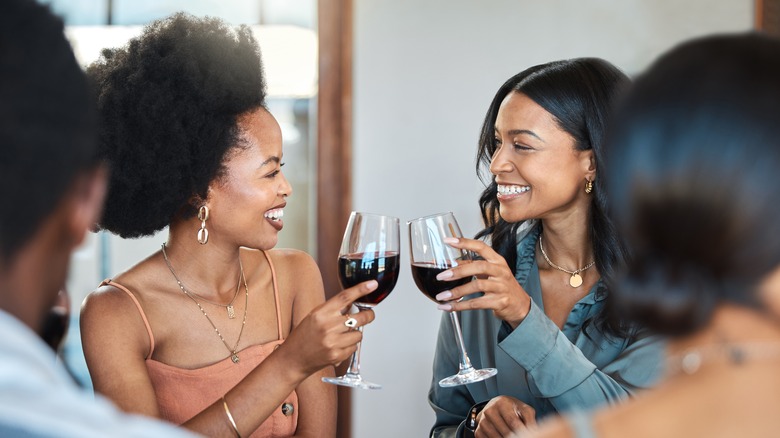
point(350, 322)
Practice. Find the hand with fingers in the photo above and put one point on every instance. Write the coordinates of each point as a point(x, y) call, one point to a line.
point(504, 416)
point(329, 335)
point(502, 293)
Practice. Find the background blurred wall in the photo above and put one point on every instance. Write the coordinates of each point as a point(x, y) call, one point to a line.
point(424, 74)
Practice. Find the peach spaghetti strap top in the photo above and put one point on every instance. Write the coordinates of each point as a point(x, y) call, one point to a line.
point(182, 393)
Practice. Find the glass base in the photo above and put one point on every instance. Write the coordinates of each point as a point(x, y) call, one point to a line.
point(466, 377)
point(352, 380)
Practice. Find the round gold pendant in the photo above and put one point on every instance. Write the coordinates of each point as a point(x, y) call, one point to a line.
point(575, 280)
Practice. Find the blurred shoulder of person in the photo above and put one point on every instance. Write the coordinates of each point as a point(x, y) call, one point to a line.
point(52, 187)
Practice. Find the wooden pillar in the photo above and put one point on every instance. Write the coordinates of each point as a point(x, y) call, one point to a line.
point(768, 16)
point(334, 155)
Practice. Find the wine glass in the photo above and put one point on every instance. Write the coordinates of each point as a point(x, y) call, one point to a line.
point(430, 256)
point(369, 251)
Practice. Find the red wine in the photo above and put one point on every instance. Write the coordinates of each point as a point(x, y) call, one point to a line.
point(357, 268)
point(425, 277)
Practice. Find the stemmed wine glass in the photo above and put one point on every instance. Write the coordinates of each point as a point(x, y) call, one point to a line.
point(430, 256)
point(369, 251)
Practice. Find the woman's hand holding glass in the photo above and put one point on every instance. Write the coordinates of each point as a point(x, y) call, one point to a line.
point(430, 255)
point(502, 293)
point(322, 338)
point(369, 250)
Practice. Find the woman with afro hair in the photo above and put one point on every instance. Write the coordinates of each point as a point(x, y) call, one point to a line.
point(215, 331)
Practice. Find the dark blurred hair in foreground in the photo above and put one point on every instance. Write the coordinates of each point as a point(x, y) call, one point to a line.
point(694, 178)
point(46, 123)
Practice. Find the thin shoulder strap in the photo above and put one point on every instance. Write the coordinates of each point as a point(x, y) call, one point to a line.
point(140, 310)
point(276, 296)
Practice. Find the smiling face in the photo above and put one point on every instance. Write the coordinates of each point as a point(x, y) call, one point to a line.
point(246, 204)
point(539, 172)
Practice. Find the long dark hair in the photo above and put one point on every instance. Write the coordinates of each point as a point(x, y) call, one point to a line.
point(580, 94)
point(696, 181)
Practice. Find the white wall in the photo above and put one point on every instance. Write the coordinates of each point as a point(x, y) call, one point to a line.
point(424, 74)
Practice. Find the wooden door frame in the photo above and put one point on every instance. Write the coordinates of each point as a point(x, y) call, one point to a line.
point(334, 155)
point(767, 16)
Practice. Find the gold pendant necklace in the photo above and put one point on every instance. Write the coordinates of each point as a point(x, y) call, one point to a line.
point(233, 351)
point(231, 311)
point(576, 278)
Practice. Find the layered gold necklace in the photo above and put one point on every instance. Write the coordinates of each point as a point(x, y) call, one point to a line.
point(576, 279)
point(191, 295)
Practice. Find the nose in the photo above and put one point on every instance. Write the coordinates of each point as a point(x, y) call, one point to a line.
point(499, 163)
point(285, 189)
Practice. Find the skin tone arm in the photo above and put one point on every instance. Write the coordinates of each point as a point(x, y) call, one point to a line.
point(316, 400)
point(112, 326)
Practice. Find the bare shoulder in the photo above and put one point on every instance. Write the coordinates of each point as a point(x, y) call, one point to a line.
point(293, 259)
point(109, 301)
point(299, 278)
point(110, 316)
point(111, 312)
point(114, 297)
point(293, 267)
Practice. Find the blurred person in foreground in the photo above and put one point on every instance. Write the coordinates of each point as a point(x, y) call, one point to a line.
point(695, 153)
point(52, 188)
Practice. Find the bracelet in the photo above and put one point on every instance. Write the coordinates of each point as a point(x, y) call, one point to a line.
point(230, 417)
point(471, 419)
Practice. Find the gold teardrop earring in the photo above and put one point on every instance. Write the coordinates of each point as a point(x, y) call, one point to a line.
point(588, 186)
point(203, 233)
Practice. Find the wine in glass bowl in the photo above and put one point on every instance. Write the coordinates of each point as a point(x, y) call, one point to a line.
point(357, 268)
point(369, 251)
point(430, 257)
point(424, 275)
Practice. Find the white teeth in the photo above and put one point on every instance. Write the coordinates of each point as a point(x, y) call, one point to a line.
point(512, 189)
point(275, 214)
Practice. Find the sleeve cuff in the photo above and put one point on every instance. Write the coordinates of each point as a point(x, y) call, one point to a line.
point(554, 364)
point(532, 340)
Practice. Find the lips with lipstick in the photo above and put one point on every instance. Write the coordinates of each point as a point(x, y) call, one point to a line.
point(509, 190)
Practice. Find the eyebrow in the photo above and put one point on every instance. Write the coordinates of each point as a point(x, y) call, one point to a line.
point(523, 131)
point(273, 159)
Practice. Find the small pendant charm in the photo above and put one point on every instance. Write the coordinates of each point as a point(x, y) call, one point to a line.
point(234, 358)
point(231, 312)
point(575, 280)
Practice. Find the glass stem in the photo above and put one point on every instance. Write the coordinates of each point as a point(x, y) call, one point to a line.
point(464, 364)
point(354, 363)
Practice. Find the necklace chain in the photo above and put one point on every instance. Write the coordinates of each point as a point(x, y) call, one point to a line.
point(576, 279)
point(691, 360)
point(233, 351)
point(229, 306)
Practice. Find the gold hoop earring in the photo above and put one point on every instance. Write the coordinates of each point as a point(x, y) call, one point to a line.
point(588, 185)
point(203, 233)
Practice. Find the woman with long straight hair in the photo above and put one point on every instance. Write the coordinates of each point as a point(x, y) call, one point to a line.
point(549, 254)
